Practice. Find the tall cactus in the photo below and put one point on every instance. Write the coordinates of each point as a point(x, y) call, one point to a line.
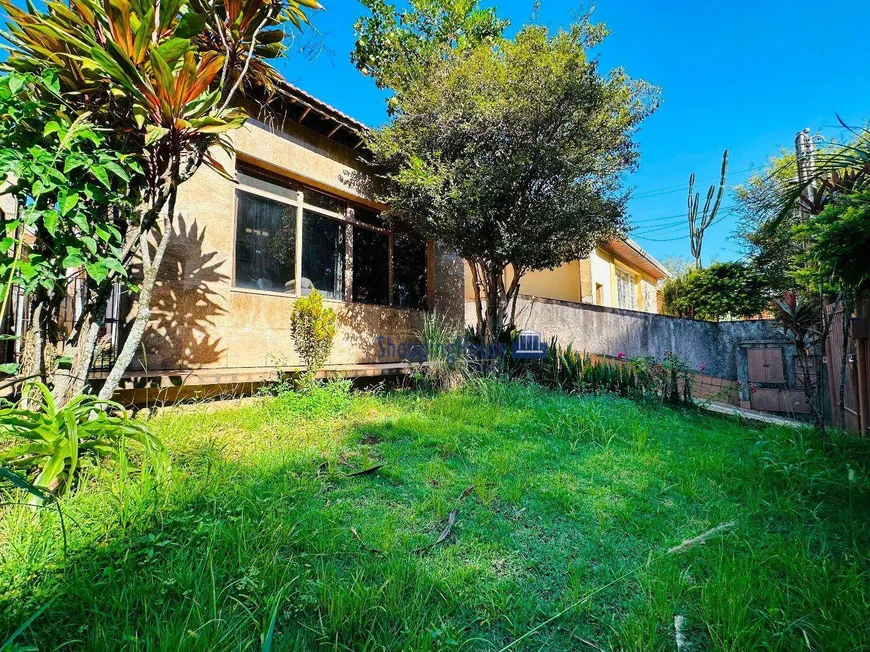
point(697, 228)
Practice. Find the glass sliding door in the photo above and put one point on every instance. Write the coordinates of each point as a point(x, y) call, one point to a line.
point(322, 255)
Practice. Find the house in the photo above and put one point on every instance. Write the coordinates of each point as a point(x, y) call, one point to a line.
point(300, 215)
point(618, 274)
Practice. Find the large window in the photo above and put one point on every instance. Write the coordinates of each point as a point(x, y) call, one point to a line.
point(265, 243)
point(347, 252)
point(626, 290)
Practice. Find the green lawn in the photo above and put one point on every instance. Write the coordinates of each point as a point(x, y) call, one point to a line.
point(258, 526)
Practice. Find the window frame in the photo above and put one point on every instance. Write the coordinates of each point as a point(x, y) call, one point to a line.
point(632, 282)
point(345, 217)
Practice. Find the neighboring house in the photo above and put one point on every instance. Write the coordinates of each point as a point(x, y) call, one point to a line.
point(617, 275)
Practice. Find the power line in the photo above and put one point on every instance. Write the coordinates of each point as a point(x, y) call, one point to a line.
point(670, 217)
point(680, 237)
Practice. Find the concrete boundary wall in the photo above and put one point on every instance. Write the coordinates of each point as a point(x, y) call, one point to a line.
point(711, 348)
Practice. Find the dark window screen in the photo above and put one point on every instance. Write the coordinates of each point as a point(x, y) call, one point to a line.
point(371, 261)
point(409, 269)
point(322, 255)
point(265, 244)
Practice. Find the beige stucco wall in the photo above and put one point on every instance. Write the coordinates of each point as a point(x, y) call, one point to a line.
point(199, 320)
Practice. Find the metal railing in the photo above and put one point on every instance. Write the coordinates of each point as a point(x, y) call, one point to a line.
point(16, 323)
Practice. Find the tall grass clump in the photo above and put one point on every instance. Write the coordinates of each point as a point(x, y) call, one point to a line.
point(447, 363)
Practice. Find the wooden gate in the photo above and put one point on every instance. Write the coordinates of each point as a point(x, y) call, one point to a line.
point(834, 353)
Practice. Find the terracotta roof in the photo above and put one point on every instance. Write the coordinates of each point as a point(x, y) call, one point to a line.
point(629, 250)
point(307, 110)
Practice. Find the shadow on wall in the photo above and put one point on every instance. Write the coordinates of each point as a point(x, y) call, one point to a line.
point(360, 326)
point(184, 307)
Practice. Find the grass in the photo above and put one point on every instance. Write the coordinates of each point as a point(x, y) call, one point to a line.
point(257, 536)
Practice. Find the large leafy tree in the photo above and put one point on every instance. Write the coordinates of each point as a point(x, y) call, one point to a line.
point(512, 153)
point(150, 88)
point(722, 290)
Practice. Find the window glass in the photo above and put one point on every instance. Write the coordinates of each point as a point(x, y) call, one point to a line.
point(326, 202)
point(322, 255)
point(368, 216)
point(371, 263)
point(625, 288)
point(265, 244)
point(409, 269)
point(258, 181)
point(650, 297)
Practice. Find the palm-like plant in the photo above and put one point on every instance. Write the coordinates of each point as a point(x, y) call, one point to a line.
point(55, 438)
point(162, 77)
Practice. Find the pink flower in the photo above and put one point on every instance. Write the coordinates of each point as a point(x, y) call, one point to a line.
point(702, 367)
point(621, 355)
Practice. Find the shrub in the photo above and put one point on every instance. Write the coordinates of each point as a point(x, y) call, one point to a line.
point(313, 328)
point(721, 290)
point(668, 380)
point(447, 364)
point(55, 440)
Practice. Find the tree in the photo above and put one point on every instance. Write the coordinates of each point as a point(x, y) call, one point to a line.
point(396, 48)
point(157, 84)
point(697, 228)
point(771, 249)
point(838, 241)
point(513, 156)
point(721, 290)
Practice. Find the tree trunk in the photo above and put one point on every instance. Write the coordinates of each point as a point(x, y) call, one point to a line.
point(847, 323)
point(150, 268)
point(478, 305)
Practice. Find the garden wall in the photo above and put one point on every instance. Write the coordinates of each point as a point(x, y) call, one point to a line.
point(714, 349)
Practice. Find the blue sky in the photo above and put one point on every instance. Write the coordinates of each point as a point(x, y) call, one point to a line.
point(739, 74)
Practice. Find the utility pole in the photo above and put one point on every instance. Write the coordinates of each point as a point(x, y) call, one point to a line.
point(805, 150)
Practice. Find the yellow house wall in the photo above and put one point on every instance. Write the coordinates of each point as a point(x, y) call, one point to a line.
point(577, 281)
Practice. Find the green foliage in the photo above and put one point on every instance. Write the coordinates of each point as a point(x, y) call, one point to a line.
point(397, 47)
point(74, 188)
point(54, 440)
point(721, 290)
point(447, 365)
point(313, 329)
point(839, 241)
point(667, 380)
point(514, 156)
point(767, 239)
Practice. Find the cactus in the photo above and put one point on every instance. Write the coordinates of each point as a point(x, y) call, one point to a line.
point(697, 228)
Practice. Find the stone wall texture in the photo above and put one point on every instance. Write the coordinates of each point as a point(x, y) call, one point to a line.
point(710, 347)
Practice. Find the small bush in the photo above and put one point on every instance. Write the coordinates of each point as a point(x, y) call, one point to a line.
point(313, 328)
point(447, 364)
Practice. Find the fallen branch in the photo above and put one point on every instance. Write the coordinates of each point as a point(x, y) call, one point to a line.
point(373, 469)
point(446, 533)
